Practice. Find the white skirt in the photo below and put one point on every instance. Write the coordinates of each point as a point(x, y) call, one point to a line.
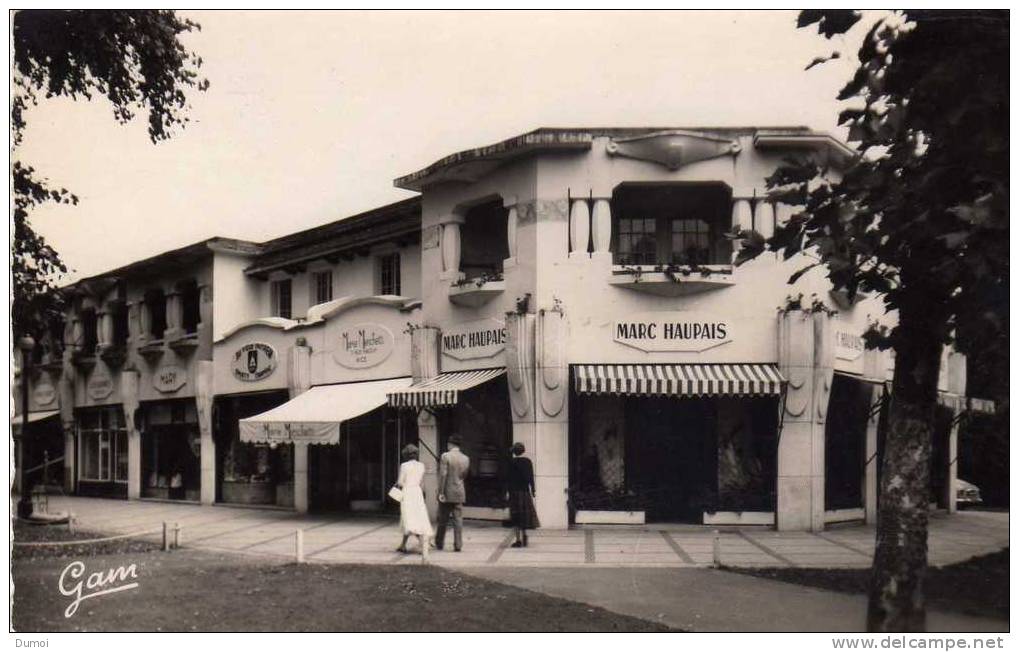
point(413, 513)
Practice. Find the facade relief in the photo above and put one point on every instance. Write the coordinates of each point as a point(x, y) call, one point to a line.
point(520, 361)
point(550, 340)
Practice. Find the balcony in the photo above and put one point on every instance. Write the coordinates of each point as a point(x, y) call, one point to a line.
point(181, 341)
point(671, 280)
point(149, 346)
point(476, 292)
point(114, 355)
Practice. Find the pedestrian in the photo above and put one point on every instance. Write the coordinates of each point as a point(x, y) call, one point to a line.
point(520, 494)
point(413, 513)
point(453, 466)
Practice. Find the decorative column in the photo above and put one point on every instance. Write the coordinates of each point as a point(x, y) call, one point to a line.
point(144, 321)
point(204, 306)
point(129, 395)
point(174, 328)
point(764, 218)
point(424, 363)
point(298, 382)
point(742, 218)
point(104, 327)
point(512, 220)
point(66, 388)
point(580, 228)
point(428, 438)
point(601, 229)
point(552, 428)
point(451, 247)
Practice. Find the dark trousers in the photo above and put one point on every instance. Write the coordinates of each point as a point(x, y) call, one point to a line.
point(445, 511)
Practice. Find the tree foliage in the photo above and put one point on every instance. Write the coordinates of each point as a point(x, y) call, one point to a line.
point(134, 59)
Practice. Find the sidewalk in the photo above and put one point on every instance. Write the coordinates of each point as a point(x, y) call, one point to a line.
point(707, 600)
point(372, 539)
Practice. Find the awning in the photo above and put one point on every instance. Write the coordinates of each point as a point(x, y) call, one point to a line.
point(18, 420)
point(314, 417)
point(678, 379)
point(442, 390)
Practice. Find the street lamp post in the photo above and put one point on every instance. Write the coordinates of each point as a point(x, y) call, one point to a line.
point(25, 344)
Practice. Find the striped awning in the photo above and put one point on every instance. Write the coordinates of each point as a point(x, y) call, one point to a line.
point(442, 390)
point(678, 379)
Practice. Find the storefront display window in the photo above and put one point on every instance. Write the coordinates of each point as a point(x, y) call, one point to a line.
point(246, 473)
point(171, 451)
point(102, 438)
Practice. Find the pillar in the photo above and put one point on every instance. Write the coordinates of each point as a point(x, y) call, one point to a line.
point(580, 228)
point(301, 478)
point(512, 220)
point(552, 427)
point(174, 328)
point(65, 386)
point(871, 471)
point(742, 218)
point(428, 440)
point(144, 321)
point(104, 330)
point(203, 403)
point(129, 395)
point(451, 247)
point(764, 218)
point(601, 228)
point(806, 361)
point(953, 460)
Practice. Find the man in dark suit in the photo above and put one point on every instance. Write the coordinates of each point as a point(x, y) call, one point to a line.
point(453, 467)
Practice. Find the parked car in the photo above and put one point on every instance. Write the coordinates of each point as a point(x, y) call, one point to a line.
point(967, 494)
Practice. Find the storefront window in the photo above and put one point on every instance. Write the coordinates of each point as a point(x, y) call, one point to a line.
point(102, 438)
point(251, 473)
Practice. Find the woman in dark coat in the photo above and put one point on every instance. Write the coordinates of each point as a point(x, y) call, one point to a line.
point(520, 493)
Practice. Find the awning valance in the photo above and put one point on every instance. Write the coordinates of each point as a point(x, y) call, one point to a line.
point(314, 417)
point(678, 379)
point(17, 420)
point(442, 390)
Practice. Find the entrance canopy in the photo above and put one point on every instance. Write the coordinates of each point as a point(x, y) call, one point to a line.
point(442, 390)
point(314, 417)
point(678, 379)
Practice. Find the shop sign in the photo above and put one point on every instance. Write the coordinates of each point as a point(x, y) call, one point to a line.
point(44, 393)
point(680, 332)
point(848, 346)
point(477, 339)
point(100, 384)
point(254, 362)
point(363, 345)
point(169, 378)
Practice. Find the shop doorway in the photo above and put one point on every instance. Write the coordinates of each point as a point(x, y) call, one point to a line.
point(171, 451)
point(845, 443)
point(355, 474)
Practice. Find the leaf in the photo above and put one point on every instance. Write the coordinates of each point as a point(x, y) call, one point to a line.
point(819, 60)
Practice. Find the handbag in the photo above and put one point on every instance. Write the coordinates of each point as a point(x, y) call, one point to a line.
point(396, 494)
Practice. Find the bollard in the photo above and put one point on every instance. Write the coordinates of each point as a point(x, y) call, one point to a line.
point(70, 522)
point(166, 537)
point(176, 535)
point(299, 546)
point(716, 551)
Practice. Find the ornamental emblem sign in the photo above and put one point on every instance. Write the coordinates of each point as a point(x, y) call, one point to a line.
point(169, 378)
point(100, 384)
point(44, 393)
point(254, 362)
point(363, 345)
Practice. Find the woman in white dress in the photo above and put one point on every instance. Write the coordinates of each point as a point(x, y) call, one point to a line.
point(413, 513)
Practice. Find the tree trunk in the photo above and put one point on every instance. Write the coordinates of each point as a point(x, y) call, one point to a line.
point(900, 560)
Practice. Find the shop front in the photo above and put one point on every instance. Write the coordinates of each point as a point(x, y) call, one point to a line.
point(170, 450)
point(251, 473)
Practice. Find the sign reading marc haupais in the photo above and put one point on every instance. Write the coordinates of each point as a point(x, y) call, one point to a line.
point(673, 331)
point(476, 339)
point(848, 345)
point(363, 345)
point(255, 361)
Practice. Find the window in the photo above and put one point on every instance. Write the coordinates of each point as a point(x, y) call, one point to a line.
point(691, 243)
point(389, 274)
point(637, 241)
point(679, 224)
point(155, 305)
point(102, 445)
point(118, 311)
point(321, 287)
point(279, 298)
point(190, 306)
point(89, 331)
point(483, 240)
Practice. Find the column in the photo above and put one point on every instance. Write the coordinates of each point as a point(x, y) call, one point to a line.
point(742, 218)
point(70, 467)
point(451, 247)
point(764, 218)
point(601, 229)
point(552, 428)
point(428, 438)
point(301, 478)
point(129, 394)
point(580, 228)
point(144, 321)
point(174, 329)
point(65, 386)
point(205, 306)
point(953, 459)
point(203, 403)
point(104, 328)
point(870, 472)
point(512, 218)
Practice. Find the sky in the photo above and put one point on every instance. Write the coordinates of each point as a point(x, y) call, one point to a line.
point(311, 115)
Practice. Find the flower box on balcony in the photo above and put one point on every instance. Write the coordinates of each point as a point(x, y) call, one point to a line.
point(474, 293)
point(671, 280)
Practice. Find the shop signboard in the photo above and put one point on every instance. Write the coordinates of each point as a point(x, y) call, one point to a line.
point(253, 362)
point(363, 345)
point(44, 393)
point(169, 378)
point(677, 331)
point(100, 384)
point(476, 339)
point(849, 350)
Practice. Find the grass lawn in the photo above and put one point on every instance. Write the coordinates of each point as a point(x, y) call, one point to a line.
point(191, 590)
point(977, 587)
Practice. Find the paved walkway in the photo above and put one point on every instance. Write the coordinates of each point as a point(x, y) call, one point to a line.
point(372, 539)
